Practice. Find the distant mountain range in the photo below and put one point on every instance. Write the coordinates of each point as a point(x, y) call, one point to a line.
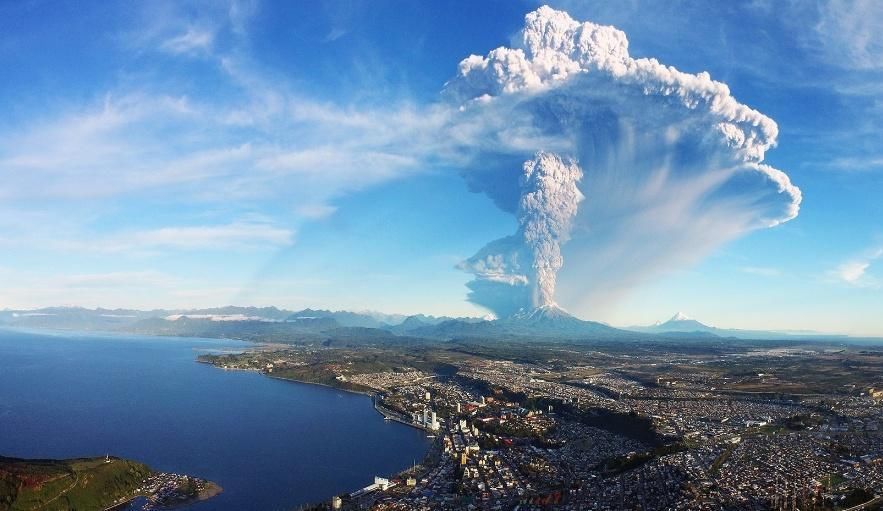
point(274, 323)
point(680, 324)
point(316, 325)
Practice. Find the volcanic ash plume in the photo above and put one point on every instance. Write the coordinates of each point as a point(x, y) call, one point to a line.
point(548, 203)
point(674, 165)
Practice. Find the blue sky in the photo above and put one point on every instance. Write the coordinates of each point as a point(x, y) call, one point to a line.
point(292, 154)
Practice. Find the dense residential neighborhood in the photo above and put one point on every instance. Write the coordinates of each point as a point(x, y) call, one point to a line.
point(603, 430)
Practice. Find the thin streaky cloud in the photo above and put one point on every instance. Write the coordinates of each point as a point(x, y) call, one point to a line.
point(194, 40)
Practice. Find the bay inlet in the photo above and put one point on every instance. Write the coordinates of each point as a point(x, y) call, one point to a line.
point(271, 444)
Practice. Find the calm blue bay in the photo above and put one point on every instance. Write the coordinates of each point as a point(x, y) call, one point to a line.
point(271, 444)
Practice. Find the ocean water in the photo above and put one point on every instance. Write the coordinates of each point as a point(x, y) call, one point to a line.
point(271, 444)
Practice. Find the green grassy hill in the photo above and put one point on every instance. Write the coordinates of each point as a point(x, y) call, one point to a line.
point(62, 485)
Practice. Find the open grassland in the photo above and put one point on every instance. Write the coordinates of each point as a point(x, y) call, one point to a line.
point(61, 485)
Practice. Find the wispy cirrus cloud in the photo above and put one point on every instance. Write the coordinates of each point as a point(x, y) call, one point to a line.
point(237, 235)
point(334, 34)
point(187, 29)
point(241, 235)
point(856, 163)
point(122, 147)
point(848, 33)
point(258, 140)
point(193, 41)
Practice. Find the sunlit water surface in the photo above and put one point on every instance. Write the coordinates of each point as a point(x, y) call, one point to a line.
point(271, 444)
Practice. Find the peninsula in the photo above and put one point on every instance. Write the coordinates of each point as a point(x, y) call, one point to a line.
point(93, 483)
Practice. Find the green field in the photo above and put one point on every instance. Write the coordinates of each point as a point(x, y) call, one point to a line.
point(61, 485)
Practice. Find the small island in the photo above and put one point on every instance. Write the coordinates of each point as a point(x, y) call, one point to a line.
point(93, 483)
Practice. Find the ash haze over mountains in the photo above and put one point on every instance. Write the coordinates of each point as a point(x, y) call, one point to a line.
point(639, 167)
point(680, 324)
point(269, 324)
point(311, 325)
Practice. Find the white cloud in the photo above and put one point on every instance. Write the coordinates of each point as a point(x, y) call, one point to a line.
point(194, 40)
point(237, 235)
point(240, 14)
point(334, 34)
point(856, 163)
point(98, 151)
point(215, 236)
point(849, 33)
point(318, 161)
point(315, 211)
point(137, 143)
point(189, 29)
point(245, 235)
point(855, 272)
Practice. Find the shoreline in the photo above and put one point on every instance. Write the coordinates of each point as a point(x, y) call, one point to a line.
point(213, 490)
point(100, 482)
point(384, 412)
point(124, 503)
point(391, 415)
point(283, 378)
point(251, 346)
